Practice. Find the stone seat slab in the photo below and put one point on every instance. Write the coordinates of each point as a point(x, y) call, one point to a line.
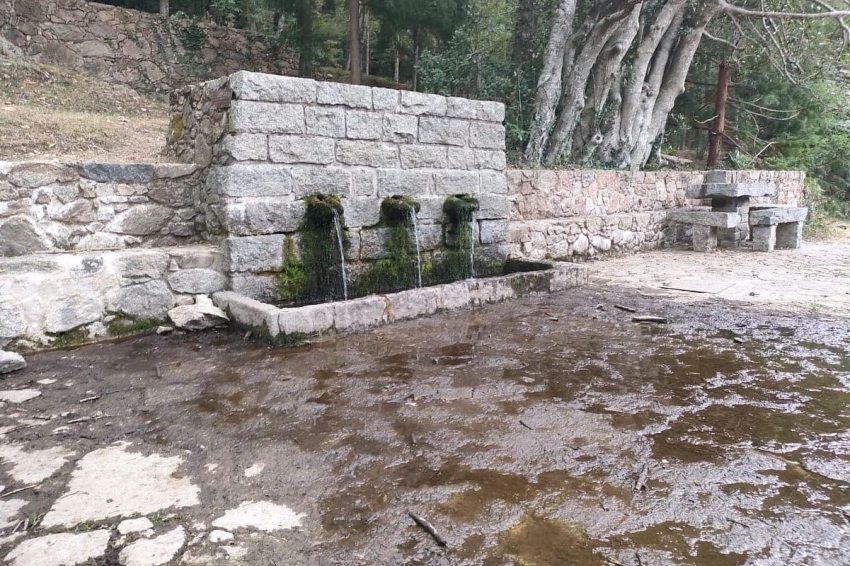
point(773, 215)
point(730, 190)
point(705, 217)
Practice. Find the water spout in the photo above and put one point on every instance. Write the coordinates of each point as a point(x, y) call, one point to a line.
point(472, 224)
point(338, 228)
point(418, 253)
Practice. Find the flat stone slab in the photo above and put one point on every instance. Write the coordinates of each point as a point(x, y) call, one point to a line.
point(113, 482)
point(19, 395)
point(60, 550)
point(705, 217)
point(769, 216)
point(730, 190)
point(706, 285)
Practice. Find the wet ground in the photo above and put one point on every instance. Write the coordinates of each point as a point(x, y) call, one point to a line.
point(551, 431)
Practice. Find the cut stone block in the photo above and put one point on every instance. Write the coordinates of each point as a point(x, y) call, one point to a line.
point(250, 180)
point(255, 254)
point(730, 190)
point(297, 149)
point(255, 217)
point(789, 236)
point(328, 122)
point(420, 104)
point(266, 118)
point(313, 319)
point(445, 131)
point(272, 88)
point(352, 96)
point(317, 179)
point(129, 174)
point(705, 218)
point(249, 312)
point(366, 153)
point(764, 238)
point(765, 216)
point(360, 313)
point(705, 238)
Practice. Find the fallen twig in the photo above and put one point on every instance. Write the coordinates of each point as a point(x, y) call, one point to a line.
point(80, 420)
point(525, 425)
point(428, 528)
point(90, 399)
point(640, 482)
point(656, 319)
point(20, 489)
point(625, 308)
point(613, 562)
point(846, 515)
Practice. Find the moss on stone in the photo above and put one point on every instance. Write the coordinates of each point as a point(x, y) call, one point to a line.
point(460, 209)
point(69, 339)
point(393, 273)
point(318, 247)
point(128, 326)
point(395, 210)
point(291, 278)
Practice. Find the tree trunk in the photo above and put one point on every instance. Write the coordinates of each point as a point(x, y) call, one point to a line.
point(573, 102)
point(368, 35)
point(354, 40)
point(549, 86)
point(416, 44)
point(163, 8)
point(525, 30)
point(396, 69)
point(715, 141)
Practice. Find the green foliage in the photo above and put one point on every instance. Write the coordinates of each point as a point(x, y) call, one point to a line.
point(394, 273)
point(396, 210)
point(460, 209)
point(291, 278)
point(317, 276)
point(190, 33)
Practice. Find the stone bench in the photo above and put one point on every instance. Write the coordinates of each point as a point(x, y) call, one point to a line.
point(706, 224)
point(777, 227)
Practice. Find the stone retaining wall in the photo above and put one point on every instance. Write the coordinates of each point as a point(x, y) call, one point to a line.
point(273, 140)
point(53, 207)
point(65, 299)
point(590, 213)
point(134, 48)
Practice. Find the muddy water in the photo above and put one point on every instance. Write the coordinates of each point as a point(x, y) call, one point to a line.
point(541, 433)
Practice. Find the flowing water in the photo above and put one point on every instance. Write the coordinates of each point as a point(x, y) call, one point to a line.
point(472, 246)
point(418, 252)
point(338, 228)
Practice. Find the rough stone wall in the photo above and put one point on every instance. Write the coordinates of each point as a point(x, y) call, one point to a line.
point(63, 299)
point(134, 48)
point(52, 207)
point(587, 213)
point(285, 138)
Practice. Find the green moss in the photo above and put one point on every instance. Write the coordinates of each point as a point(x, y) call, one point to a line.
point(460, 209)
point(321, 210)
point(127, 326)
point(317, 276)
point(394, 273)
point(69, 339)
point(528, 283)
point(395, 210)
point(176, 127)
point(291, 278)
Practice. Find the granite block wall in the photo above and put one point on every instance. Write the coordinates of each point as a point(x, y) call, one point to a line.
point(275, 140)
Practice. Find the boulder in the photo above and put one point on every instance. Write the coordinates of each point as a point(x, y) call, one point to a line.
point(200, 316)
point(20, 236)
point(10, 361)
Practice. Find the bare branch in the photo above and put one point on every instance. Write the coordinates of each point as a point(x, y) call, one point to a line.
point(720, 40)
point(745, 13)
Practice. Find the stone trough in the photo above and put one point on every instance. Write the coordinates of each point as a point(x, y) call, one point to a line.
point(293, 325)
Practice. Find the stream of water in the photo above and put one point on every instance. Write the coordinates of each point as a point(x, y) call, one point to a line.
point(338, 228)
point(472, 247)
point(418, 252)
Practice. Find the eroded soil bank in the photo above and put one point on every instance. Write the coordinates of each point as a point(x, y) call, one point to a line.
point(549, 431)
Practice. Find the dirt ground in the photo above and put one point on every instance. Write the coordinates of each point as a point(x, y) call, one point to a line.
point(50, 113)
point(549, 431)
point(815, 278)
